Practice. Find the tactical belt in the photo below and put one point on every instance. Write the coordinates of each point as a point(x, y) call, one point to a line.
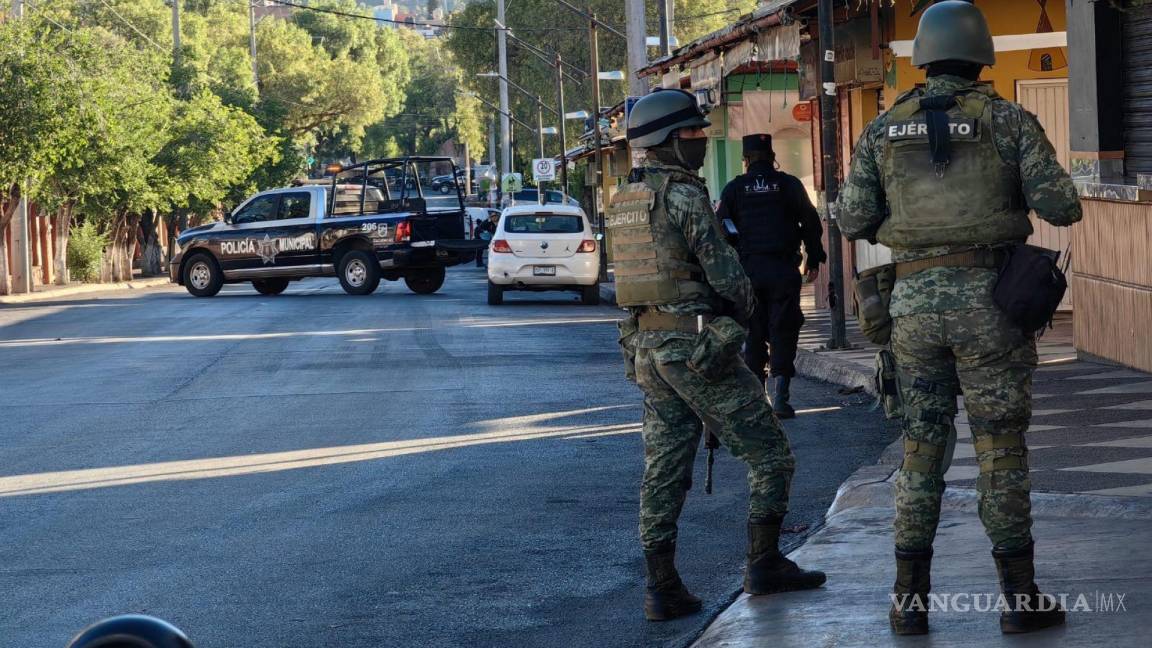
point(657, 321)
point(981, 258)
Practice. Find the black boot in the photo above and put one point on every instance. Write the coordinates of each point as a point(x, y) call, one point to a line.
point(909, 613)
point(665, 597)
point(768, 570)
point(1029, 610)
point(780, 397)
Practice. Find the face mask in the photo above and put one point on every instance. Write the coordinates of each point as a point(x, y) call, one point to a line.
point(690, 152)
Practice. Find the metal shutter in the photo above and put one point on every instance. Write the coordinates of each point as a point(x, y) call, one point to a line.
point(1137, 91)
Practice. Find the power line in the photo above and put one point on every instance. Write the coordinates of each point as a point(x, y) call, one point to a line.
point(337, 12)
point(125, 21)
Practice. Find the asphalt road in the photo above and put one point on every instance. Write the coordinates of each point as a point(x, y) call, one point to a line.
point(316, 469)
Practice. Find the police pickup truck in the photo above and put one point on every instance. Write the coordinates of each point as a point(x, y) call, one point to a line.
point(370, 221)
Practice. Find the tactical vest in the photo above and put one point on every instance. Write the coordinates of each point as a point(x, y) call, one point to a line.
point(763, 218)
point(653, 263)
point(975, 200)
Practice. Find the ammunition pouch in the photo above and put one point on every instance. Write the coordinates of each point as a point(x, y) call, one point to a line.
point(627, 341)
point(717, 348)
point(873, 291)
point(1030, 286)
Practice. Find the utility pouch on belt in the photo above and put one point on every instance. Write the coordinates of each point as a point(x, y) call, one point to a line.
point(873, 297)
point(1030, 286)
point(627, 341)
point(717, 346)
point(887, 384)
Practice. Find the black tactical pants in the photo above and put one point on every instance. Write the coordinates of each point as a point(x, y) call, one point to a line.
point(776, 322)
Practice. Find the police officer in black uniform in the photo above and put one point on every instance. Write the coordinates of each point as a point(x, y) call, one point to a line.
point(773, 216)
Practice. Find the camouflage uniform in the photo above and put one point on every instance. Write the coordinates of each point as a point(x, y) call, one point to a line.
point(677, 399)
point(948, 334)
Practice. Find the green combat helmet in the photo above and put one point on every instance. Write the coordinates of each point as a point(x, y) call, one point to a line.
point(953, 30)
point(656, 115)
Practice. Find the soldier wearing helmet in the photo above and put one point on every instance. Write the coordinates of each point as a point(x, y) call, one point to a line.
point(946, 178)
point(689, 302)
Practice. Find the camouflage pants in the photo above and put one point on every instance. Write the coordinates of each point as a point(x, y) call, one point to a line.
point(676, 402)
point(991, 362)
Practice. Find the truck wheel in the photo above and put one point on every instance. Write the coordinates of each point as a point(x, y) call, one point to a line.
point(495, 294)
point(270, 286)
point(424, 282)
point(202, 275)
point(590, 295)
point(359, 273)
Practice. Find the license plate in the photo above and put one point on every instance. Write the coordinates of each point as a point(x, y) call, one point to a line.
point(544, 271)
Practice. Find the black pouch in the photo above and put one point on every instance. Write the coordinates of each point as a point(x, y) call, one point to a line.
point(873, 291)
point(1030, 286)
point(717, 348)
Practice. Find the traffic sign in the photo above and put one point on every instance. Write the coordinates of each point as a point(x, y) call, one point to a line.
point(511, 183)
point(802, 112)
point(543, 169)
point(311, 160)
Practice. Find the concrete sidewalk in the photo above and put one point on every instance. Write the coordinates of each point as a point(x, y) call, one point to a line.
point(46, 293)
point(1091, 460)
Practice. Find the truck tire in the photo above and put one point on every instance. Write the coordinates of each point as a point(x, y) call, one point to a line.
point(424, 282)
point(495, 294)
point(202, 275)
point(359, 273)
point(270, 286)
point(590, 295)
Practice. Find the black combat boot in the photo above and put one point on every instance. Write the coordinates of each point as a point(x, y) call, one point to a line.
point(1029, 610)
point(665, 597)
point(909, 613)
point(768, 570)
point(780, 397)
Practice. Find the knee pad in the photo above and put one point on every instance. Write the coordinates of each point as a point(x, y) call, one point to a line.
point(1008, 452)
point(922, 457)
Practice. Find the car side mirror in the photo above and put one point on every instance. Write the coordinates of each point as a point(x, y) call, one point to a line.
point(228, 218)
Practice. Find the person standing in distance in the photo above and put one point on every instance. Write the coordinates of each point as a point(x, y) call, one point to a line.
point(688, 301)
point(946, 178)
point(773, 216)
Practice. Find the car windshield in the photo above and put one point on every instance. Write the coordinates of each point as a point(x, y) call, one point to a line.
point(544, 224)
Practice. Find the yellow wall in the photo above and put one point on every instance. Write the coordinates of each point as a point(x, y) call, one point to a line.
point(1004, 17)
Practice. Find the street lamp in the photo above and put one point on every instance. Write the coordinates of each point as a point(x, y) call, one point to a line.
point(614, 75)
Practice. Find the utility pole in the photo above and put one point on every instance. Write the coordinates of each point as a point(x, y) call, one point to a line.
point(540, 144)
point(252, 43)
point(176, 32)
point(21, 256)
point(563, 130)
point(829, 126)
point(505, 124)
point(598, 173)
point(666, 8)
point(636, 29)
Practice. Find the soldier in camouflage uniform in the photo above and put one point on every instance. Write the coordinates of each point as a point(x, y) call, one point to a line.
point(946, 178)
point(689, 302)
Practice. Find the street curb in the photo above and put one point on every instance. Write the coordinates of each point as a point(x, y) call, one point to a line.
point(820, 365)
point(82, 289)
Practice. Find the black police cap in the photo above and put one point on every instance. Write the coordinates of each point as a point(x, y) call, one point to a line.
point(760, 142)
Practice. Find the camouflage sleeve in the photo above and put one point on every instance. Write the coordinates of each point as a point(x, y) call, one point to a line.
point(1047, 186)
point(688, 207)
point(862, 205)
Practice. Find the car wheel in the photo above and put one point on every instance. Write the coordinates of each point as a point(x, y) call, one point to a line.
point(359, 273)
point(445, 189)
point(590, 295)
point(424, 282)
point(202, 276)
point(495, 294)
point(270, 286)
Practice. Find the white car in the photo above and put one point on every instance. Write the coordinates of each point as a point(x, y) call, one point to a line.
point(544, 247)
